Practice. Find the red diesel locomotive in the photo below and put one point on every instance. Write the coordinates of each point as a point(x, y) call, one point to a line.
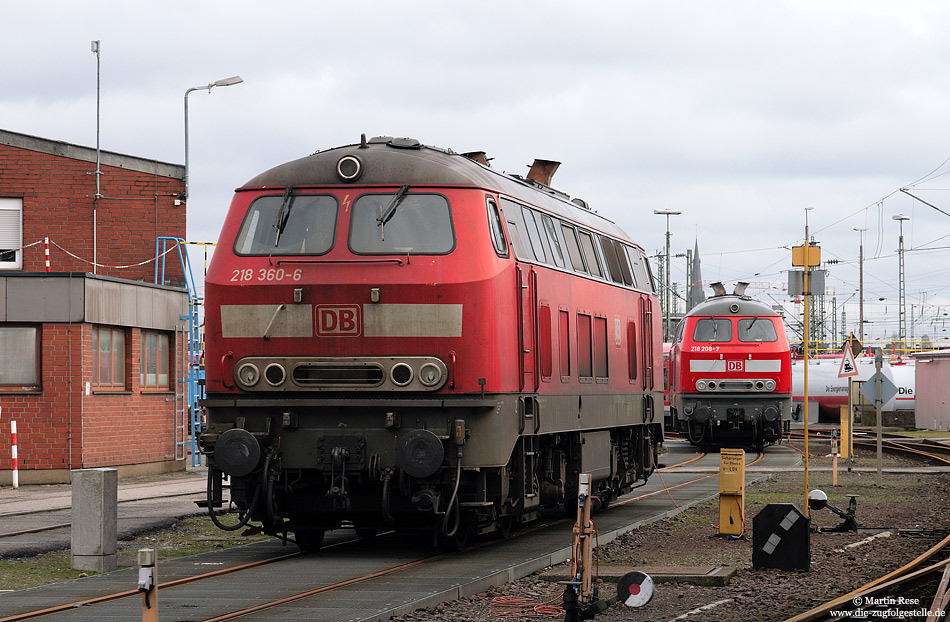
point(399, 336)
point(730, 372)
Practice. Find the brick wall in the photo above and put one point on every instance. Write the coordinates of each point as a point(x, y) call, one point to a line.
point(58, 196)
point(62, 428)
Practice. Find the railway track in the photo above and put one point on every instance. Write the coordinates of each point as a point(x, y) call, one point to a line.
point(296, 564)
point(926, 450)
point(887, 595)
point(65, 509)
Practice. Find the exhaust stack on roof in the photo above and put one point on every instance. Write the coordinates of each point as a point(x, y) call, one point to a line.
point(478, 156)
point(542, 171)
point(740, 288)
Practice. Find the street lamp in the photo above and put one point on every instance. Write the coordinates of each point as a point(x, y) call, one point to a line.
point(223, 82)
point(901, 319)
point(665, 301)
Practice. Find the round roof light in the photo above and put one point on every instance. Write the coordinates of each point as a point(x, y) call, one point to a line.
point(349, 168)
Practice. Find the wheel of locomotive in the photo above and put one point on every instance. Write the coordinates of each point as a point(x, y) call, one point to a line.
point(505, 526)
point(455, 543)
point(366, 533)
point(309, 540)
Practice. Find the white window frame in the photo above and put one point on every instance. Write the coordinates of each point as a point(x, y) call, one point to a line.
point(11, 231)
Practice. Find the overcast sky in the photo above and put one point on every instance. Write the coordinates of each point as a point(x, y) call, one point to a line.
point(738, 113)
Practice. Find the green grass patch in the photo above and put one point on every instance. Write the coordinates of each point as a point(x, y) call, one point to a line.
point(189, 536)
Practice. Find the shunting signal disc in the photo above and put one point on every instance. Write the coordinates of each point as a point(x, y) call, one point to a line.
point(635, 589)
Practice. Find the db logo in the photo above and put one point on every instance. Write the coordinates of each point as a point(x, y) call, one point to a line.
point(734, 366)
point(336, 321)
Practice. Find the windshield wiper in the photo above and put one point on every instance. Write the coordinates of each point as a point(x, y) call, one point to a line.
point(387, 214)
point(749, 327)
point(283, 214)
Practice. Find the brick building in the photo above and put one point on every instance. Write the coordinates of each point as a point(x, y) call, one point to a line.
point(90, 352)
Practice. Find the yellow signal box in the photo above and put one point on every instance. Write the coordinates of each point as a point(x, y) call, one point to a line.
point(731, 492)
point(806, 256)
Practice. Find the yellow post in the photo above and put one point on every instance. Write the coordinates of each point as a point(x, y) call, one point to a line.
point(805, 398)
point(844, 449)
point(806, 256)
point(731, 492)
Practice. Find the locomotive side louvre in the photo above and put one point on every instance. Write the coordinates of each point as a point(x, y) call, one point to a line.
point(382, 349)
point(730, 373)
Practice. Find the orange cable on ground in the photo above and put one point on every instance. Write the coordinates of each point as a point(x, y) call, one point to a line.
point(519, 607)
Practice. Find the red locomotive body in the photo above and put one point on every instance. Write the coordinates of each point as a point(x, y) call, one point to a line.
point(399, 336)
point(730, 373)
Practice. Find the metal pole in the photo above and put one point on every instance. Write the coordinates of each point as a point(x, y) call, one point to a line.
point(666, 332)
point(98, 173)
point(861, 231)
point(878, 361)
point(186, 135)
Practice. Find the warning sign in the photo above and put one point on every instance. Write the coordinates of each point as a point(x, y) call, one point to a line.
point(848, 366)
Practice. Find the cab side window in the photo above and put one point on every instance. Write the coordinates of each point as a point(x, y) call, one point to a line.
point(494, 224)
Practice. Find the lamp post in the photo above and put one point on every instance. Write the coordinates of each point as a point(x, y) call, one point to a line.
point(901, 293)
point(223, 82)
point(665, 300)
point(861, 231)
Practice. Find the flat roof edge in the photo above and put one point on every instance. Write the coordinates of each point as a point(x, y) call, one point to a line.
point(88, 154)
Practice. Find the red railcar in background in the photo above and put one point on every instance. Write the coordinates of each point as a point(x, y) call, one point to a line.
point(400, 336)
point(730, 373)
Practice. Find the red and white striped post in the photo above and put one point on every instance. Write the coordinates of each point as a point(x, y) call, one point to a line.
point(16, 470)
point(46, 240)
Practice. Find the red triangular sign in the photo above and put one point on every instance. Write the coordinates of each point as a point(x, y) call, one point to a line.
point(848, 366)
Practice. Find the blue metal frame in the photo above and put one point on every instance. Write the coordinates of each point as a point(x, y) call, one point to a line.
point(196, 372)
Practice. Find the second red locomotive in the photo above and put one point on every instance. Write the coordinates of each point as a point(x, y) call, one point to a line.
point(730, 372)
point(399, 336)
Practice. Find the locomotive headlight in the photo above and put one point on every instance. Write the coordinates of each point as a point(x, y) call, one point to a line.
point(401, 374)
point(769, 385)
point(701, 385)
point(275, 374)
point(430, 374)
point(248, 374)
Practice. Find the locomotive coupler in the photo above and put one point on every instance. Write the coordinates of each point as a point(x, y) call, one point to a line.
point(339, 489)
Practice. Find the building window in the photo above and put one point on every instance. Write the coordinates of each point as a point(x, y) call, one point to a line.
point(155, 358)
point(11, 234)
point(20, 363)
point(108, 358)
